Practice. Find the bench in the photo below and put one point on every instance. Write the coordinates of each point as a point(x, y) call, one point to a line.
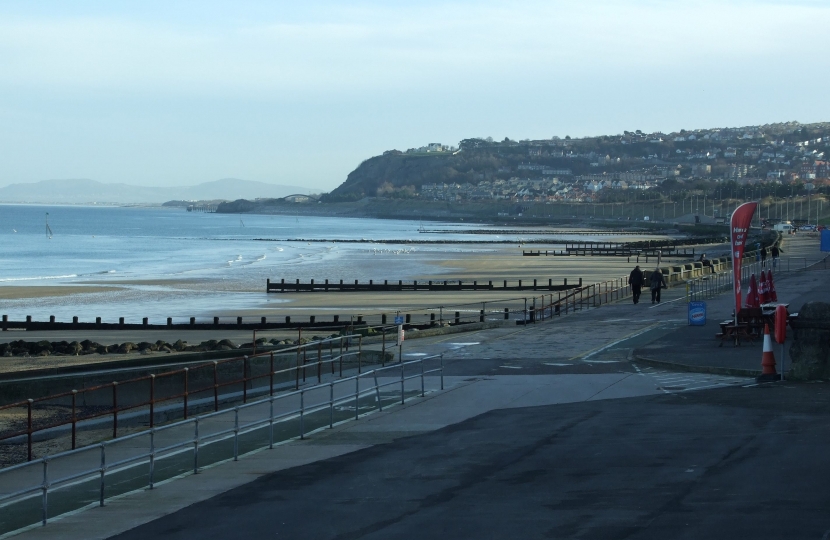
point(730, 330)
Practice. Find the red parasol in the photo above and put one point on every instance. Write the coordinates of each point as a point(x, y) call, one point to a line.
point(773, 296)
point(752, 300)
point(763, 290)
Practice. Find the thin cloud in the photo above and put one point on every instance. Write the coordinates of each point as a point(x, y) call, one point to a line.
point(397, 47)
point(156, 91)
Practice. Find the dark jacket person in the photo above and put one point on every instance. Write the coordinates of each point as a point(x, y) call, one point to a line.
point(636, 280)
point(657, 282)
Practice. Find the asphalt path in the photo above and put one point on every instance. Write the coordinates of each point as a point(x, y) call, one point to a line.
point(740, 462)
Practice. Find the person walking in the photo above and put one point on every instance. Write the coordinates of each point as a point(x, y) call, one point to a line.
point(705, 262)
point(636, 280)
point(775, 251)
point(764, 257)
point(657, 282)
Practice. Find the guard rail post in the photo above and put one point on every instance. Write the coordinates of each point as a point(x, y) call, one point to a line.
point(45, 487)
point(215, 385)
point(377, 390)
point(153, 399)
point(402, 383)
point(152, 473)
point(271, 377)
point(442, 371)
point(356, 396)
point(186, 371)
point(319, 362)
point(423, 390)
point(297, 368)
point(196, 445)
point(236, 433)
point(331, 404)
point(103, 473)
point(114, 409)
point(271, 421)
point(302, 414)
point(75, 416)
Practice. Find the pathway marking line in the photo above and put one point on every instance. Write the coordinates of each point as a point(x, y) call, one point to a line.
point(708, 386)
point(634, 334)
point(667, 302)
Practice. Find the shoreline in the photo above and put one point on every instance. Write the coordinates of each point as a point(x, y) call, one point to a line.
point(209, 298)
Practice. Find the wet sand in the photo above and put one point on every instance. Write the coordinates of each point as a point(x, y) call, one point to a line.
point(490, 262)
point(14, 292)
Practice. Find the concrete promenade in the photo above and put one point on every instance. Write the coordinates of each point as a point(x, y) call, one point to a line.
point(553, 430)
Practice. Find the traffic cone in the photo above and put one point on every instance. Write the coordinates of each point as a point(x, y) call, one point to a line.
point(768, 372)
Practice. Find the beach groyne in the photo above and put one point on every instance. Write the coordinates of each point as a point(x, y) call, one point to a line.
point(240, 323)
point(423, 285)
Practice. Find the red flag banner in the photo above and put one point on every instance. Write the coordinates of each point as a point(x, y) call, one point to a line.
point(739, 225)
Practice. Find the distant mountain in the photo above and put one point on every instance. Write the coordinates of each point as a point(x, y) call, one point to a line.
point(79, 191)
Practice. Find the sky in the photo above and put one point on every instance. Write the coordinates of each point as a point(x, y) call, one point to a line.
point(299, 93)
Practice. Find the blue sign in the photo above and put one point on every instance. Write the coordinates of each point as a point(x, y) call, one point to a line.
point(398, 319)
point(825, 240)
point(697, 313)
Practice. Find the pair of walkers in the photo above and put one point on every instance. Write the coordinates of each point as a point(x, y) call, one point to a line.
point(656, 283)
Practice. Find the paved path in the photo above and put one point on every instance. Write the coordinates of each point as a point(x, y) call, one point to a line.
point(731, 463)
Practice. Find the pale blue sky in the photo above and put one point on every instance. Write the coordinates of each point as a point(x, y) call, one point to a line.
point(160, 93)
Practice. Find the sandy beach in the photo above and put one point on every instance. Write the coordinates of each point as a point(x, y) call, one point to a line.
point(482, 262)
point(497, 263)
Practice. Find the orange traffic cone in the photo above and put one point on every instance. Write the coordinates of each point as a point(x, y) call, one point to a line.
point(768, 372)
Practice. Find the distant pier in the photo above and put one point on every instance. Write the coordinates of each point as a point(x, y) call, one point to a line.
point(207, 208)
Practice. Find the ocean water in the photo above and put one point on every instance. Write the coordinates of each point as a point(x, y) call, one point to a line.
point(99, 244)
point(169, 262)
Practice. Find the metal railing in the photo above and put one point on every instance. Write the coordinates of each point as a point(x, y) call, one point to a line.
point(178, 386)
point(49, 476)
point(708, 286)
point(588, 296)
point(180, 392)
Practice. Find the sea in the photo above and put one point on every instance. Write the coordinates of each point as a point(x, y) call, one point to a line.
point(166, 262)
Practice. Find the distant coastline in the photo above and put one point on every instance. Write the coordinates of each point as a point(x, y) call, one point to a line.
point(92, 192)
